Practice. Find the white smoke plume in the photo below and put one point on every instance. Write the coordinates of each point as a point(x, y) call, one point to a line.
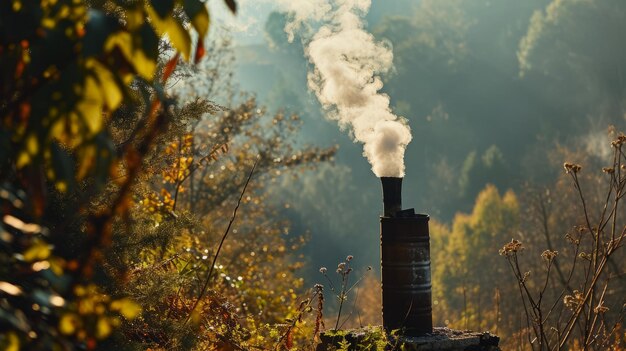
point(301, 12)
point(347, 62)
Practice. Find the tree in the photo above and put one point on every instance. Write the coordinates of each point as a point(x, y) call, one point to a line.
point(574, 51)
point(186, 203)
point(465, 263)
point(491, 168)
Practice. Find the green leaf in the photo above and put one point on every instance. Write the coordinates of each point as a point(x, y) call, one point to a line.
point(163, 7)
point(192, 7)
point(97, 29)
point(104, 159)
point(63, 165)
point(5, 146)
point(148, 40)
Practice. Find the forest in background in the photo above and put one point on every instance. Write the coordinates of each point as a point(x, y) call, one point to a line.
point(499, 94)
point(183, 194)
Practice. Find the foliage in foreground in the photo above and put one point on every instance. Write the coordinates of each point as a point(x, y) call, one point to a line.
point(567, 290)
point(67, 70)
point(586, 305)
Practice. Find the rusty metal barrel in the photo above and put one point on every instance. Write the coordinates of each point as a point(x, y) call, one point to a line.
point(406, 280)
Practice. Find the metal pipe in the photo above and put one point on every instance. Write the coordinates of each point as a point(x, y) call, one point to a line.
point(392, 195)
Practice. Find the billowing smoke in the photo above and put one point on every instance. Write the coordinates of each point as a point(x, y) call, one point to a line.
point(302, 11)
point(347, 61)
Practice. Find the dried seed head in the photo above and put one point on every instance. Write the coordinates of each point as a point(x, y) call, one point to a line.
point(511, 248)
point(572, 301)
point(621, 139)
point(608, 170)
point(600, 309)
point(572, 167)
point(549, 255)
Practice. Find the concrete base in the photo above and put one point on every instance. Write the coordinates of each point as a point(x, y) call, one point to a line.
point(442, 339)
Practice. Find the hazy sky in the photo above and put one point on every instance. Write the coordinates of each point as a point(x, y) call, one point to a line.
point(247, 26)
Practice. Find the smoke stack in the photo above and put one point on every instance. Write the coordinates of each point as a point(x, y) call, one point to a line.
point(392, 196)
point(405, 265)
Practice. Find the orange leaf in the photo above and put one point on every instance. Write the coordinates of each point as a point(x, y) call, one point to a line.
point(289, 341)
point(19, 69)
point(199, 51)
point(24, 110)
point(169, 68)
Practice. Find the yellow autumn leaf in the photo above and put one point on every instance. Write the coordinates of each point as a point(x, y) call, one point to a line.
point(56, 265)
point(17, 5)
point(121, 40)
point(178, 35)
point(11, 342)
point(126, 307)
point(103, 328)
point(111, 92)
point(86, 156)
point(32, 145)
point(37, 252)
point(144, 66)
point(89, 108)
point(31, 148)
point(23, 159)
point(68, 323)
point(196, 317)
point(65, 130)
point(61, 186)
point(201, 22)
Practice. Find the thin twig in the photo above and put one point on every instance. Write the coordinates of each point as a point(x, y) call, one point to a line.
point(219, 248)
